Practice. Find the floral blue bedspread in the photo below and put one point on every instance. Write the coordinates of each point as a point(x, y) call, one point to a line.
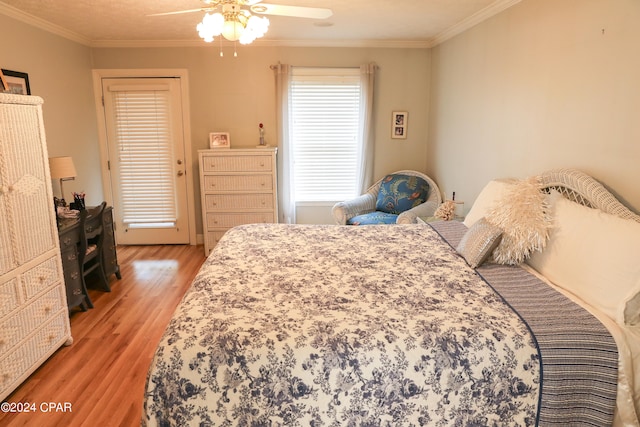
point(293, 325)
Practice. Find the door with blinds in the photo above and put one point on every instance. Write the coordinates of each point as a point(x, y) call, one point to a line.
point(146, 160)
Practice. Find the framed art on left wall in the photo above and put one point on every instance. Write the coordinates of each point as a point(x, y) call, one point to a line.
point(15, 82)
point(3, 83)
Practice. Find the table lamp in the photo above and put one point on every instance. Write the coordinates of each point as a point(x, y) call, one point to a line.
point(62, 168)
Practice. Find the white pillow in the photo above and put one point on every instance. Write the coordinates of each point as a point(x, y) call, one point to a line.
point(595, 256)
point(490, 194)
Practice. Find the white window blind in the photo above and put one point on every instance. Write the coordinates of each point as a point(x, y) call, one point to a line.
point(324, 117)
point(143, 132)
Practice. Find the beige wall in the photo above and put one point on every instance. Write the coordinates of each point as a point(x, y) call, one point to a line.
point(545, 84)
point(226, 94)
point(236, 94)
point(60, 72)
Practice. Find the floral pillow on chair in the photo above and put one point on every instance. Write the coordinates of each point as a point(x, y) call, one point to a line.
point(399, 193)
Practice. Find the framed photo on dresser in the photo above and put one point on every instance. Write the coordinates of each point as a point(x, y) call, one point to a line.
point(219, 140)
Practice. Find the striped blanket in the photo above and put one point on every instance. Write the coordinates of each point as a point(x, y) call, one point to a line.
point(579, 357)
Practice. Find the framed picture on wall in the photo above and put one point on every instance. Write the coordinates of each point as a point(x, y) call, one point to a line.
point(15, 82)
point(219, 140)
point(3, 83)
point(399, 123)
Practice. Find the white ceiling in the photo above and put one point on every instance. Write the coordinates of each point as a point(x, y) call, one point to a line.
point(375, 23)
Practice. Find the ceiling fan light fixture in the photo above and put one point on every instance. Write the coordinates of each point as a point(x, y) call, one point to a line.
point(256, 28)
point(233, 25)
point(211, 26)
point(232, 30)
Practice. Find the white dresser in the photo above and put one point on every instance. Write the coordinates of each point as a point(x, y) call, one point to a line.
point(34, 318)
point(238, 186)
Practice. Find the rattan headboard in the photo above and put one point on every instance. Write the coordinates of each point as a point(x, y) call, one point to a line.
point(582, 188)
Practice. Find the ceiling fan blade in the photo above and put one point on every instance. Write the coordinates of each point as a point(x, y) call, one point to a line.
point(251, 2)
point(179, 12)
point(296, 11)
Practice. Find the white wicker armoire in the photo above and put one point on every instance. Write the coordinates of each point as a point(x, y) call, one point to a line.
point(34, 318)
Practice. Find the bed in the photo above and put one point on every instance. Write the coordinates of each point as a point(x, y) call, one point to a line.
point(296, 325)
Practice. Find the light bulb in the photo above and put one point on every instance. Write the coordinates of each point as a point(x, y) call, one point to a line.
point(210, 26)
point(232, 30)
point(256, 28)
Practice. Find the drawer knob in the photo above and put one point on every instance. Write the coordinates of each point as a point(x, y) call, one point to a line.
point(42, 278)
point(47, 309)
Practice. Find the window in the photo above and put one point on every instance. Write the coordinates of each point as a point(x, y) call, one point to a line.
point(325, 110)
point(144, 144)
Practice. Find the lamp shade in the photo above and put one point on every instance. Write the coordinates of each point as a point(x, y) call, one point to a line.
point(62, 167)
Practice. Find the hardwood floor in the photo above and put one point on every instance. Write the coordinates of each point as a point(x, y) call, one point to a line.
point(101, 376)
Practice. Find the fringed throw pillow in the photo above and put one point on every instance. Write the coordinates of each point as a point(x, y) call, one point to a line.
point(523, 215)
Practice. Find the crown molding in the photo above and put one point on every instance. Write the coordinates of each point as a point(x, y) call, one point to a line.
point(19, 15)
point(473, 20)
point(370, 43)
point(414, 44)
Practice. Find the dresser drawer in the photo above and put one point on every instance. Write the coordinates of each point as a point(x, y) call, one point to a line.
point(255, 163)
point(238, 183)
point(69, 238)
point(8, 296)
point(41, 277)
point(40, 311)
point(15, 366)
point(228, 220)
point(237, 202)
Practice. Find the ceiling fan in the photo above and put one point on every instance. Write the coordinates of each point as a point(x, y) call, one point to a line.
point(233, 19)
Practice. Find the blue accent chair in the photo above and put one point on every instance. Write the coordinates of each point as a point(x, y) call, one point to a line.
point(398, 198)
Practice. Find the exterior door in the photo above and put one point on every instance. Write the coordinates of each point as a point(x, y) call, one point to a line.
point(146, 153)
